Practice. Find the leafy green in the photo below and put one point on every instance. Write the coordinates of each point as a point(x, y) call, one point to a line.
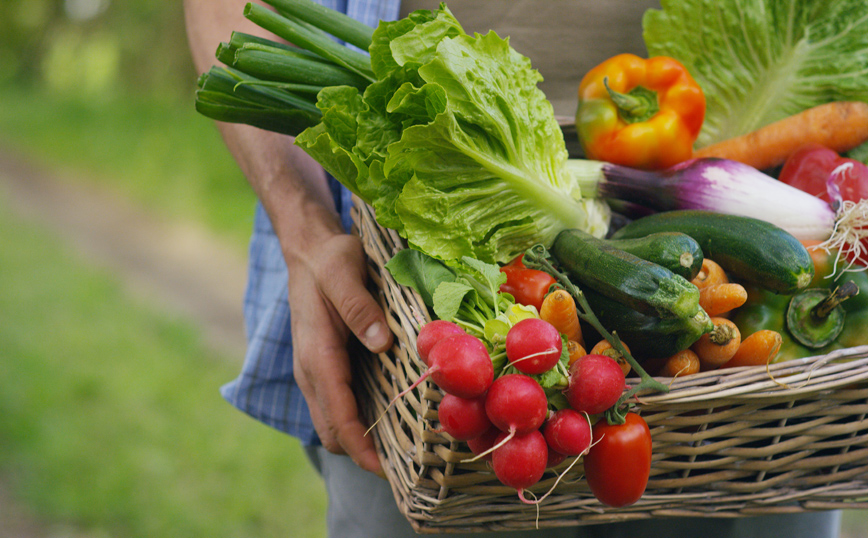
point(423, 273)
point(467, 293)
point(454, 145)
point(759, 61)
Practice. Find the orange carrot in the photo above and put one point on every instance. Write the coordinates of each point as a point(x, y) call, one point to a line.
point(758, 349)
point(603, 347)
point(839, 125)
point(720, 299)
point(685, 362)
point(719, 345)
point(559, 309)
point(710, 273)
point(575, 350)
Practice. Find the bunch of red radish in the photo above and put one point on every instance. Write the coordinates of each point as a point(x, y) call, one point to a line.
point(508, 419)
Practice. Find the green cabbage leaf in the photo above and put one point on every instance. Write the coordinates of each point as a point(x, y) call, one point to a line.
point(759, 61)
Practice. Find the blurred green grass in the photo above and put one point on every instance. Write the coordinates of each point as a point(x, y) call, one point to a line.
point(111, 421)
point(159, 152)
point(110, 416)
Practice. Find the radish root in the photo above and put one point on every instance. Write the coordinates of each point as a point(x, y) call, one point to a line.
point(530, 356)
point(399, 396)
point(851, 227)
point(492, 449)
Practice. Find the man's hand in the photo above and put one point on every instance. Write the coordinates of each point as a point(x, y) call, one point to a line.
point(328, 298)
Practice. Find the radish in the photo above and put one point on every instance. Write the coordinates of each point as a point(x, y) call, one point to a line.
point(463, 418)
point(596, 384)
point(516, 404)
point(533, 346)
point(460, 365)
point(431, 333)
point(520, 461)
point(568, 432)
point(554, 459)
point(482, 445)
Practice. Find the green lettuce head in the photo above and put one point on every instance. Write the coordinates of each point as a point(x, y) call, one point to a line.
point(454, 145)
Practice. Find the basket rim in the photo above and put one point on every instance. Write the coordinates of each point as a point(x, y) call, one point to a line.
point(783, 379)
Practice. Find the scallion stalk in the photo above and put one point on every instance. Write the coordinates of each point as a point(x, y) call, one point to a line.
point(335, 23)
point(230, 96)
point(317, 42)
point(270, 63)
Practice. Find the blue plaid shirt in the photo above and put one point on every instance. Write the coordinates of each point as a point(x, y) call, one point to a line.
point(266, 388)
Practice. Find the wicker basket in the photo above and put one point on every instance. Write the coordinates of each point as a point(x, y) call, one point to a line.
point(747, 441)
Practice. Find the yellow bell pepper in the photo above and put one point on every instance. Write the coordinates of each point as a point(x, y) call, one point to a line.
point(642, 113)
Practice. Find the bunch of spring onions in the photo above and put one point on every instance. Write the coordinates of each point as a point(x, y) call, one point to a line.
point(274, 86)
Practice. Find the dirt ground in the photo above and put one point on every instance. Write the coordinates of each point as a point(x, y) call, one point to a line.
point(177, 267)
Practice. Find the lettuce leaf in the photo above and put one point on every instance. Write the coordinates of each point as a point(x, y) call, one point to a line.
point(454, 145)
point(759, 61)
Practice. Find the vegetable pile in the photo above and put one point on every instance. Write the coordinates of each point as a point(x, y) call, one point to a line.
point(738, 207)
point(518, 386)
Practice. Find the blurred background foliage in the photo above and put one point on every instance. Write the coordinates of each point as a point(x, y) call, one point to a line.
point(111, 421)
point(96, 47)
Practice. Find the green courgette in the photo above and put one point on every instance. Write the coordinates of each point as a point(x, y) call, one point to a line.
point(749, 249)
point(675, 251)
point(595, 263)
point(648, 337)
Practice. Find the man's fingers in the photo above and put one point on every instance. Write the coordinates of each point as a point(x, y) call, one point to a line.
point(336, 417)
point(354, 303)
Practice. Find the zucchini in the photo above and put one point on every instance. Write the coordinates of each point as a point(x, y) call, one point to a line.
point(750, 249)
point(675, 251)
point(595, 263)
point(648, 337)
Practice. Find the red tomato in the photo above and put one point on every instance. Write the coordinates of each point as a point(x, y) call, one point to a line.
point(808, 169)
point(528, 286)
point(619, 463)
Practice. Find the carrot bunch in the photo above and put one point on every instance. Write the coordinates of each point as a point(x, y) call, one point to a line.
point(724, 346)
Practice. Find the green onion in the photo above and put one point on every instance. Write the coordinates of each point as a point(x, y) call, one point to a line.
point(230, 96)
point(272, 63)
point(302, 35)
point(337, 24)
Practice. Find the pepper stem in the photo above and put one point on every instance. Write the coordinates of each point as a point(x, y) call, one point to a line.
point(636, 106)
point(838, 296)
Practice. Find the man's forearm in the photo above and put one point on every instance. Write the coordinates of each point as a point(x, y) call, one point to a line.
point(291, 185)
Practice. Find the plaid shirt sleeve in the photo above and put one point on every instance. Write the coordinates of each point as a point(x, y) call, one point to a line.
point(266, 388)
